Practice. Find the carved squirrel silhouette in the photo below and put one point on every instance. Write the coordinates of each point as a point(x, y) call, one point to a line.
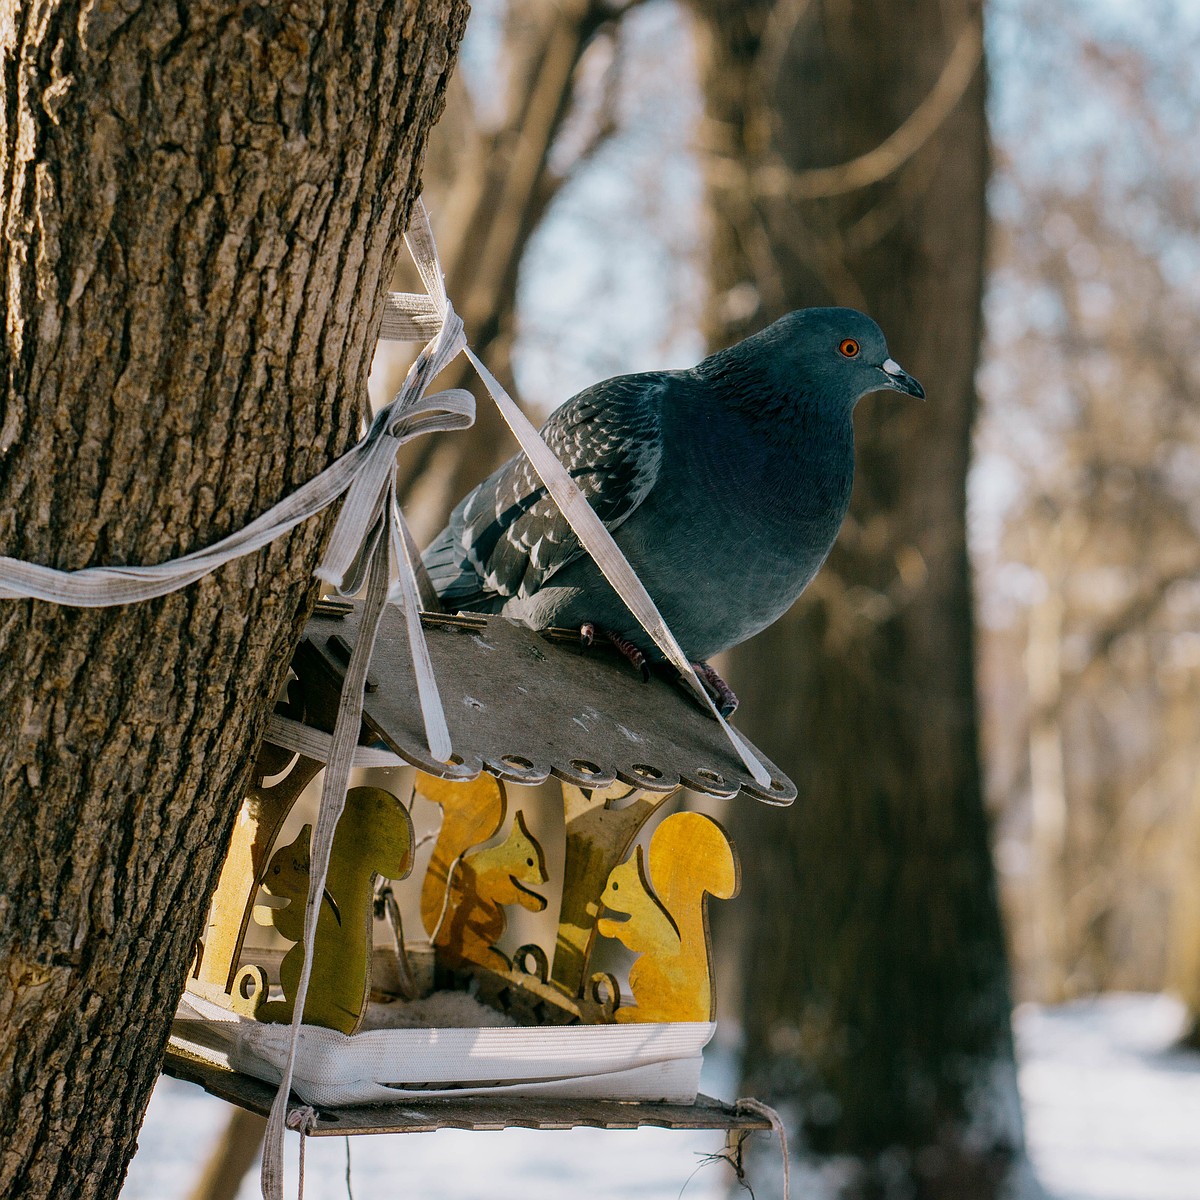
point(690, 859)
point(374, 837)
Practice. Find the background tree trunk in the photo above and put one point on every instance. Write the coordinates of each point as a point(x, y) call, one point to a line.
point(492, 189)
point(1050, 892)
point(202, 205)
point(876, 996)
point(231, 1159)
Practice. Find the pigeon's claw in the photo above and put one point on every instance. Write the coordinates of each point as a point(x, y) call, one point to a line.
point(723, 695)
point(589, 631)
point(631, 654)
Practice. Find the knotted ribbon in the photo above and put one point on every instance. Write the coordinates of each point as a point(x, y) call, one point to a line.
point(371, 544)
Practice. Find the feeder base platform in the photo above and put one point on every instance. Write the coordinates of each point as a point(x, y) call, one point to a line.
point(425, 1116)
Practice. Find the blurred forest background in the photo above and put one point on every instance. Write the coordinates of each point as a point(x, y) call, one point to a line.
point(567, 190)
point(618, 187)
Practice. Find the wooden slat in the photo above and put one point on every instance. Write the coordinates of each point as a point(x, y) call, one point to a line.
point(523, 705)
point(425, 1116)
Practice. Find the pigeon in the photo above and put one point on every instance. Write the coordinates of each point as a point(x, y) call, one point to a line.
point(724, 486)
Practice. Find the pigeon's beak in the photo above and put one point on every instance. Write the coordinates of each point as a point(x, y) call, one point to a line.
point(899, 380)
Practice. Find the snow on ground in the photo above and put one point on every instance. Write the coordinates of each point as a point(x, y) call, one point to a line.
point(585, 1164)
point(1111, 1113)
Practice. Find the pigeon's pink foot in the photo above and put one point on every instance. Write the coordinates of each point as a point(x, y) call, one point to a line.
point(629, 652)
point(724, 696)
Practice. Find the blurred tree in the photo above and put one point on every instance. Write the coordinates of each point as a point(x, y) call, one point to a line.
point(493, 175)
point(202, 206)
point(847, 160)
point(232, 1157)
point(1090, 466)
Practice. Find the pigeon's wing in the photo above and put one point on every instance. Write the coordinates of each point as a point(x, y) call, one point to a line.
point(507, 537)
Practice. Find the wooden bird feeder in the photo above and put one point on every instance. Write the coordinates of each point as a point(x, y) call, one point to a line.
point(574, 1044)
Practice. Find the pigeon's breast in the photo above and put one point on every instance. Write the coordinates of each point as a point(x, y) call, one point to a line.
point(734, 531)
point(734, 528)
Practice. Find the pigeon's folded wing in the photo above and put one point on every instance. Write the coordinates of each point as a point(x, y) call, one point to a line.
point(507, 537)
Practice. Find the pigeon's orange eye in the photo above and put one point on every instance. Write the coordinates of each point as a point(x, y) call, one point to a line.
point(849, 348)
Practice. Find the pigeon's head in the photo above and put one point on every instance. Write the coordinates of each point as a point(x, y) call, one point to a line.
point(839, 354)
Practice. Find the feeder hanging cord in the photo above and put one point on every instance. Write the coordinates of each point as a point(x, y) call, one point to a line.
point(370, 544)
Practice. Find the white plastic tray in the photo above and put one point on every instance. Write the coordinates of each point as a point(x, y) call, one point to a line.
point(659, 1062)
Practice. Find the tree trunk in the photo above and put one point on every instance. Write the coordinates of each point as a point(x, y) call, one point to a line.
point(230, 1160)
point(876, 994)
point(1049, 817)
point(1183, 941)
point(202, 206)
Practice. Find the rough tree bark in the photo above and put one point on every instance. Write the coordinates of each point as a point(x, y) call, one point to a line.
point(202, 205)
point(847, 160)
point(487, 192)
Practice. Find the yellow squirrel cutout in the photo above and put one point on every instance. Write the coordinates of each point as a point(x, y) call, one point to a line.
point(482, 882)
point(472, 813)
point(374, 838)
point(666, 921)
point(466, 889)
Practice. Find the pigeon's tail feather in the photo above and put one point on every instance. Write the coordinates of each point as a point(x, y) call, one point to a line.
point(507, 539)
point(453, 577)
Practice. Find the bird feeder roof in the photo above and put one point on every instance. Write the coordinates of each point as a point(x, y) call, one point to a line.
point(524, 705)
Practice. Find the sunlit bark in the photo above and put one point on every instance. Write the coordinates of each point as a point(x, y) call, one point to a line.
point(202, 207)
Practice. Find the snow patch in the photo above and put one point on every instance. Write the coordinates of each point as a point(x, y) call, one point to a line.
point(439, 1010)
point(1112, 1112)
point(1112, 1108)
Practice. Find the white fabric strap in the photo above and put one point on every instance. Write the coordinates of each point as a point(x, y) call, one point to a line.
point(371, 543)
point(101, 587)
point(371, 539)
point(313, 743)
point(408, 317)
point(333, 801)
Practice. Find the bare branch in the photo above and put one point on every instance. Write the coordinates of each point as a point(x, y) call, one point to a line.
point(897, 149)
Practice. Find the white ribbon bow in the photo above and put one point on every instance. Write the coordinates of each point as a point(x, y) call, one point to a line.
point(371, 543)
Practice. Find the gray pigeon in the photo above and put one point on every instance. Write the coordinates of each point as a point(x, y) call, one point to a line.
point(724, 486)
